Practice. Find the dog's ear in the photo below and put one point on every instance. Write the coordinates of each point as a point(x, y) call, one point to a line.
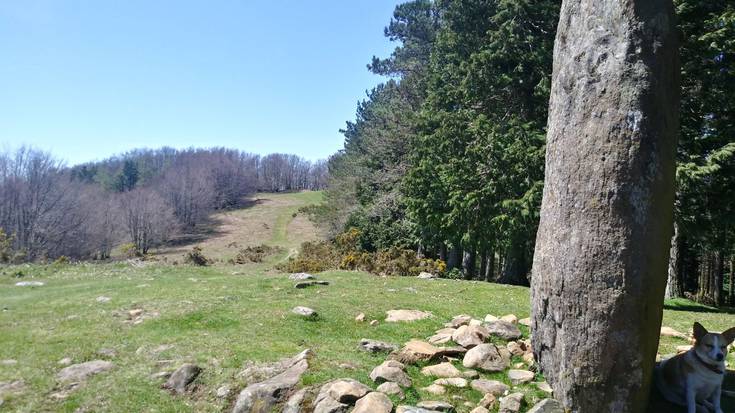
point(729, 335)
point(699, 331)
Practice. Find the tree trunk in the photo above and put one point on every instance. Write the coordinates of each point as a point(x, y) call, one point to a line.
point(731, 292)
point(469, 263)
point(515, 268)
point(483, 265)
point(490, 274)
point(602, 246)
point(455, 258)
point(674, 283)
point(443, 252)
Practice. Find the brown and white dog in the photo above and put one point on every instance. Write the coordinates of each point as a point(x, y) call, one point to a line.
point(694, 379)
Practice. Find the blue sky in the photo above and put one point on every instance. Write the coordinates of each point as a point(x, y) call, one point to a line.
point(86, 79)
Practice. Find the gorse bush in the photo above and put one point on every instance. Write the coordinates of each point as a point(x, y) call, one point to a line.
point(196, 257)
point(5, 244)
point(255, 254)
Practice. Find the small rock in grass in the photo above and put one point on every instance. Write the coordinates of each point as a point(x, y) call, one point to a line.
point(452, 382)
point(391, 389)
point(135, 313)
point(493, 387)
point(504, 330)
point(103, 299)
point(304, 311)
point(487, 357)
point(301, 276)
point(525, 322)
point(65, 361)
point(511, 403)
point(374, 346)
point(427, 276)
point(161, 375)
point(360, 317)
point(9, 362)
point(480, 409)
point(182, 378)
point(510, 318)
point(470, 336)
point(470, 374)
point(29, 284)
point(390, 370)
point(329, 405)
point(547, 406)
point(520, 376)
point(107, 352)
point(374, 323)
point(441, 370)
point(516, 348)
point(490, 318)
point(80, 372)
point(488, 401)
point(458, 321)
point(440, 338)
point(435, 405)
point(374, 402)
point(413, 409)
point(435, 389)
point(223, 391)
point(395, 316)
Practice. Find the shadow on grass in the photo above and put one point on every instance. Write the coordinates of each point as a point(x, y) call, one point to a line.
point(682, 304)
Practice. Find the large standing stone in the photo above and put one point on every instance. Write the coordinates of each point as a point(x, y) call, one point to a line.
point(504, 330)
point(487, 357)
point(374, 402)
point(263, 396)
point(395, 316)
point(602, 247)
point(80, 372)
point(182, 378)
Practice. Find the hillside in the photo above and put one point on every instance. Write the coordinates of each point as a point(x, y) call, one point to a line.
point(148, 318)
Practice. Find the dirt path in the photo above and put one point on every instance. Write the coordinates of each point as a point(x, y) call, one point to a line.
point(270, 219)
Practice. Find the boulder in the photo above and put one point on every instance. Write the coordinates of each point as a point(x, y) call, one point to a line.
point(487, 357)
point(107, 352)
point(470, 336)
point(458, 382)
point(374, 346)
point(395, 316)
point(547, 406)
point(391, 389)
point(441, 370)
point(182, 378)
point(436, 405)
point(493, 387)
point(347, 390)
point(268, 393)
point(391, 370)
point(374, 402)
point(301, 276)
point(511, 403)
point(504, 330)
point(304, 311)
point(80, 372)
point(520, 376)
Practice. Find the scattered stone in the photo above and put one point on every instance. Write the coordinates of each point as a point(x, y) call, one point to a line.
point(487, 357)
point(511, 403)
point(435, 405)
point(395, 316)
point(301, 276)
point(103, 299)
point(670, 332)
point(544, 386)
point(440, 338)
point(374, 323)
point(135, 313)
point(475, 322)
point(516, 348)
point(80, 372)
point(107, 352)
point(525, 322)
point(470, 336)
point(458, 321)
point(304, 311)
point(29, 284)
point(470, 374)
point(435, 389)
point(452, 382)
point(347, 390)
point(374, 346)
point(510, 318)
point(306, 284)
point(493, 387)
point(441, 370)
point(266, 394)
point(182, 378)
point(161, 375)
point(413, 409)
point(374, 402)
point(328, 405)
point(347, 366)
point(391, 370)
point(12, 387)
point(520, 376)
point(504, 330)
point(416, 350)
point(360, 318)
point(529, 359)
point(427, 276)
point(480, 409)
point(391, 389)
point(487, 401)
point(293, 404)
point(65, 361)
point(9, 362)
point(547, 406)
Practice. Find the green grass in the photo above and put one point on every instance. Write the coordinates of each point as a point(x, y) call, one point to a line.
point(222, 316)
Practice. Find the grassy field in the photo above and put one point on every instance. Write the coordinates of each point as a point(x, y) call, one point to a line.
point(224, 315)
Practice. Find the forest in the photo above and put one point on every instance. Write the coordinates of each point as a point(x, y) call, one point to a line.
point(139, 199)
point(446, 157)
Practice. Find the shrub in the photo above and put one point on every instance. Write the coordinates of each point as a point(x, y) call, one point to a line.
point(130, 250)
point(62, 260)
point(196, 257)
point(314, 257)
point(5, 243)
point(255, 254)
